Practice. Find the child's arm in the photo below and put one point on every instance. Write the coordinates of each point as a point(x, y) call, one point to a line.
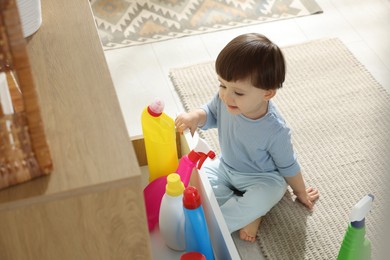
point(305, 195)
point(191, 120)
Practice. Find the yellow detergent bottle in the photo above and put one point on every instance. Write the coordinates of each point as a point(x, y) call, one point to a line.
point(160, 140)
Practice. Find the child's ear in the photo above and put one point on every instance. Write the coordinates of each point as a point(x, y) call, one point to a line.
point(269, 93)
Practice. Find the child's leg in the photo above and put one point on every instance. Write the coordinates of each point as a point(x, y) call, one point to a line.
point(219, 181)
point(261, 192)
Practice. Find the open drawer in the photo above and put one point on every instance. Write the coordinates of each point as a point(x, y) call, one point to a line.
point(222, 242)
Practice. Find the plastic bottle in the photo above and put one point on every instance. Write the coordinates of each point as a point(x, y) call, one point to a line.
point(186, 164)
point(195, 158)
point(196, 233)
point(155, 190)
point(355, 246)
point(160, 140)
point(171, 218)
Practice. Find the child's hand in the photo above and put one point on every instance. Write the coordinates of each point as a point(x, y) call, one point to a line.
point(308, 197)
point(187, 120)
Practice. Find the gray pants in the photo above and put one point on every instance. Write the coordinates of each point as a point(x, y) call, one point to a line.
point(243, 197)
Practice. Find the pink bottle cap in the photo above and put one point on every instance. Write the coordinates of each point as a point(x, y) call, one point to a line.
point(156, 107)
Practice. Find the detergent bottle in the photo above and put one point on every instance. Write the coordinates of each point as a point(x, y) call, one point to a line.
point(171, 218)
point(197, 238)
point(195, 158)
point(160, 140)
point(155, 190)
point(355, 246)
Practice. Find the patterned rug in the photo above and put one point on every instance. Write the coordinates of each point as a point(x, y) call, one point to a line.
point(340, 121)
point(124, 23)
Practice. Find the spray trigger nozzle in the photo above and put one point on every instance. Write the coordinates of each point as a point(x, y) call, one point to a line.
point(204, 156)
point(199, 146)
point(360, 210)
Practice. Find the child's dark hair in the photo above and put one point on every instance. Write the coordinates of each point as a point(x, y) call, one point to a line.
point(252, 55)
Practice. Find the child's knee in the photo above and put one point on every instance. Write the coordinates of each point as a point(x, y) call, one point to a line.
point(222, 194)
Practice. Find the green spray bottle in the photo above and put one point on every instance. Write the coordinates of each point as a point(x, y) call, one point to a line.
point(355, 246)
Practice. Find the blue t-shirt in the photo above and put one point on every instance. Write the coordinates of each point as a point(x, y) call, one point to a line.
point(250, 146)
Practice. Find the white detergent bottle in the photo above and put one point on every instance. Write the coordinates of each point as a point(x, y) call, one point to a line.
point(171, 218)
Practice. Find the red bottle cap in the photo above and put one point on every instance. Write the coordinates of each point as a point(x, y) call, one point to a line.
point(194, 156)
point(191, 198)
point(192, 256)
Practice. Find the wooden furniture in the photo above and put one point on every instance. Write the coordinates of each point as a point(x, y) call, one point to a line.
point(90, 206)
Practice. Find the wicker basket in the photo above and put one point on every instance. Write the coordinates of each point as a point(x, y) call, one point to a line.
point(24, 153)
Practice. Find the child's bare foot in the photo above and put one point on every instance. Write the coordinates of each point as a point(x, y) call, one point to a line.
point(249, 232)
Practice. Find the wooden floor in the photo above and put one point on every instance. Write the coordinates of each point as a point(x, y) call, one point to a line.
point(140, 73)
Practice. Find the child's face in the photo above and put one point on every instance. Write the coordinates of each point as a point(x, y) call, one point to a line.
point(241, 97)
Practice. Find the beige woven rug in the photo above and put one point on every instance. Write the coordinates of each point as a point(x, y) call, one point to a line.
point(340, 120)
point(123, 23)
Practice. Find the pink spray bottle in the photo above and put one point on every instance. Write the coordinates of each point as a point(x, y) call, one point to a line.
point(155, 190)
point(196, 156)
